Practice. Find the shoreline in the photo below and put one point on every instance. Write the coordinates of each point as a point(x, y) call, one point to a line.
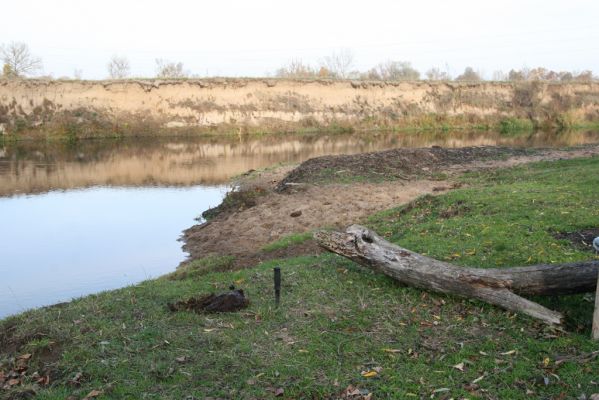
point(79, 109)
point(125, 342)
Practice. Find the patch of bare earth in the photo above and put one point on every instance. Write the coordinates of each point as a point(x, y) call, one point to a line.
point(304, 199)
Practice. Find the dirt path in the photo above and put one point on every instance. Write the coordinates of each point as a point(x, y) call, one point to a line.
point(304, 198)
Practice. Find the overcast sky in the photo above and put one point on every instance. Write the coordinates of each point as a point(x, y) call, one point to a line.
point(255, 37)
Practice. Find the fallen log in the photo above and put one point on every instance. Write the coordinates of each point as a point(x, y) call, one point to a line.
point(500, 287)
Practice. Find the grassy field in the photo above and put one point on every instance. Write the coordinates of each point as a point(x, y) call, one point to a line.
point(339, 324)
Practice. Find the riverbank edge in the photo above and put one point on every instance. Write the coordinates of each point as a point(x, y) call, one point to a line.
point(72, 110)
point(142, 299)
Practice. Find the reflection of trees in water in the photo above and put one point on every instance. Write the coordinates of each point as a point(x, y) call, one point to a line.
point(40, 166)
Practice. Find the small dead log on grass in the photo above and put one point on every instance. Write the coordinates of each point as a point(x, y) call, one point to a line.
point(500, 287)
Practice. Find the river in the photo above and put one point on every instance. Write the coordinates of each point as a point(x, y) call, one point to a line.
point(84, 217)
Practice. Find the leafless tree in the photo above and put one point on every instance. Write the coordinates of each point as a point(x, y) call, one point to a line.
point(339, 64)
point(297, 69)
point(516, 76)
point(584, 76)
point(18, 60)
point(169, 69)
point(469, 75)
point(436, 74)
point(118, 67)
point(394, 71)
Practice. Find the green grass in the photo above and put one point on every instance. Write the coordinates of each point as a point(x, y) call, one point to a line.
point(337, 319)
point(203, 266)
point(515, 126)
point(288, 240)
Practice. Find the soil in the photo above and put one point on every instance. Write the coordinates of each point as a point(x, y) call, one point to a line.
point(582, 239)
point(407, 164)
point(300, 200)
point(231, 301)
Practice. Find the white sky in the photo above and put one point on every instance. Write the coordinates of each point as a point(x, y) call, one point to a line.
point(255, 37)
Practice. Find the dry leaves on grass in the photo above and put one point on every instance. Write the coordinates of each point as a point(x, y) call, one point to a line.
point(354, 393)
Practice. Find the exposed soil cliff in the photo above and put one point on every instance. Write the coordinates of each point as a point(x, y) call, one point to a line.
point(89, 108)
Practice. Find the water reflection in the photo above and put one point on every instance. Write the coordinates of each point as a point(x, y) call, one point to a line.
point(33, 167)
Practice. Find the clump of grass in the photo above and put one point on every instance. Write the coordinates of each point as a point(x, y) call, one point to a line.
point(507, 222)
point(203, 266)
point(38, 345)
point(511, 126)
point(235, 201)
point(287, 241)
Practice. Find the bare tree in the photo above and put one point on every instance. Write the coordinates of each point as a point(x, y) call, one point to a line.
point(436, 74)
point(584, 76)
point(169, 69)
point(394, 71)
point(339, 64)
point(297, 69)
point(515, 75)
point(18, 61)
point(118, 67)
point(469, 75)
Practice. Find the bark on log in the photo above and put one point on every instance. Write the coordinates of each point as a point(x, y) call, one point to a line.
point(500, 287)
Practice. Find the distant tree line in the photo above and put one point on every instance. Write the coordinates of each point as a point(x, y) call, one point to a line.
point(339, 66)
point(18, 62)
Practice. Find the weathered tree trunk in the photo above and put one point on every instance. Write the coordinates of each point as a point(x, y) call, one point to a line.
point(494, 286)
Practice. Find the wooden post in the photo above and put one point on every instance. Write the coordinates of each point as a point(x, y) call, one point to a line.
point(595, 334)
point(277, 285)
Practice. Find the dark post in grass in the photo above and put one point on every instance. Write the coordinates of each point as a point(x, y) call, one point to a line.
point(277, 285)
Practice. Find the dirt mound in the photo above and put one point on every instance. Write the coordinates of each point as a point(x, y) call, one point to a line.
point(392, 164)
point(390, 178)
point(231, 301)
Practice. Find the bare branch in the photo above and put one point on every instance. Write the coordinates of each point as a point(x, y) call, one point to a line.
point(118, 67)
point(18, 61)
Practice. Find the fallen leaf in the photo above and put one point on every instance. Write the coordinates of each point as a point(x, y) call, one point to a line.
point(279, 392)
point(76, 379)
point(508, 353)
point(480, 378)
point(546, 361)
point(392, 350)
point(24, 357)
point(369, 374)
point(441, 390)
point(239, 281)
point(181, 359)
point(13, 382)
point(459, 366)
point(93, 394)
point(209, 329)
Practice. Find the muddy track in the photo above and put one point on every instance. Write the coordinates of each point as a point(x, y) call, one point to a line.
point(305, 198)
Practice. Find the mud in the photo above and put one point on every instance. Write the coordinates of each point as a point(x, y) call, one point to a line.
point(234, 300)
point(406, 175)
point(582, 239)
point(407, 164)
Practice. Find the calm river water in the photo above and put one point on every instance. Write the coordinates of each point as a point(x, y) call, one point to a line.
point(102, 214)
